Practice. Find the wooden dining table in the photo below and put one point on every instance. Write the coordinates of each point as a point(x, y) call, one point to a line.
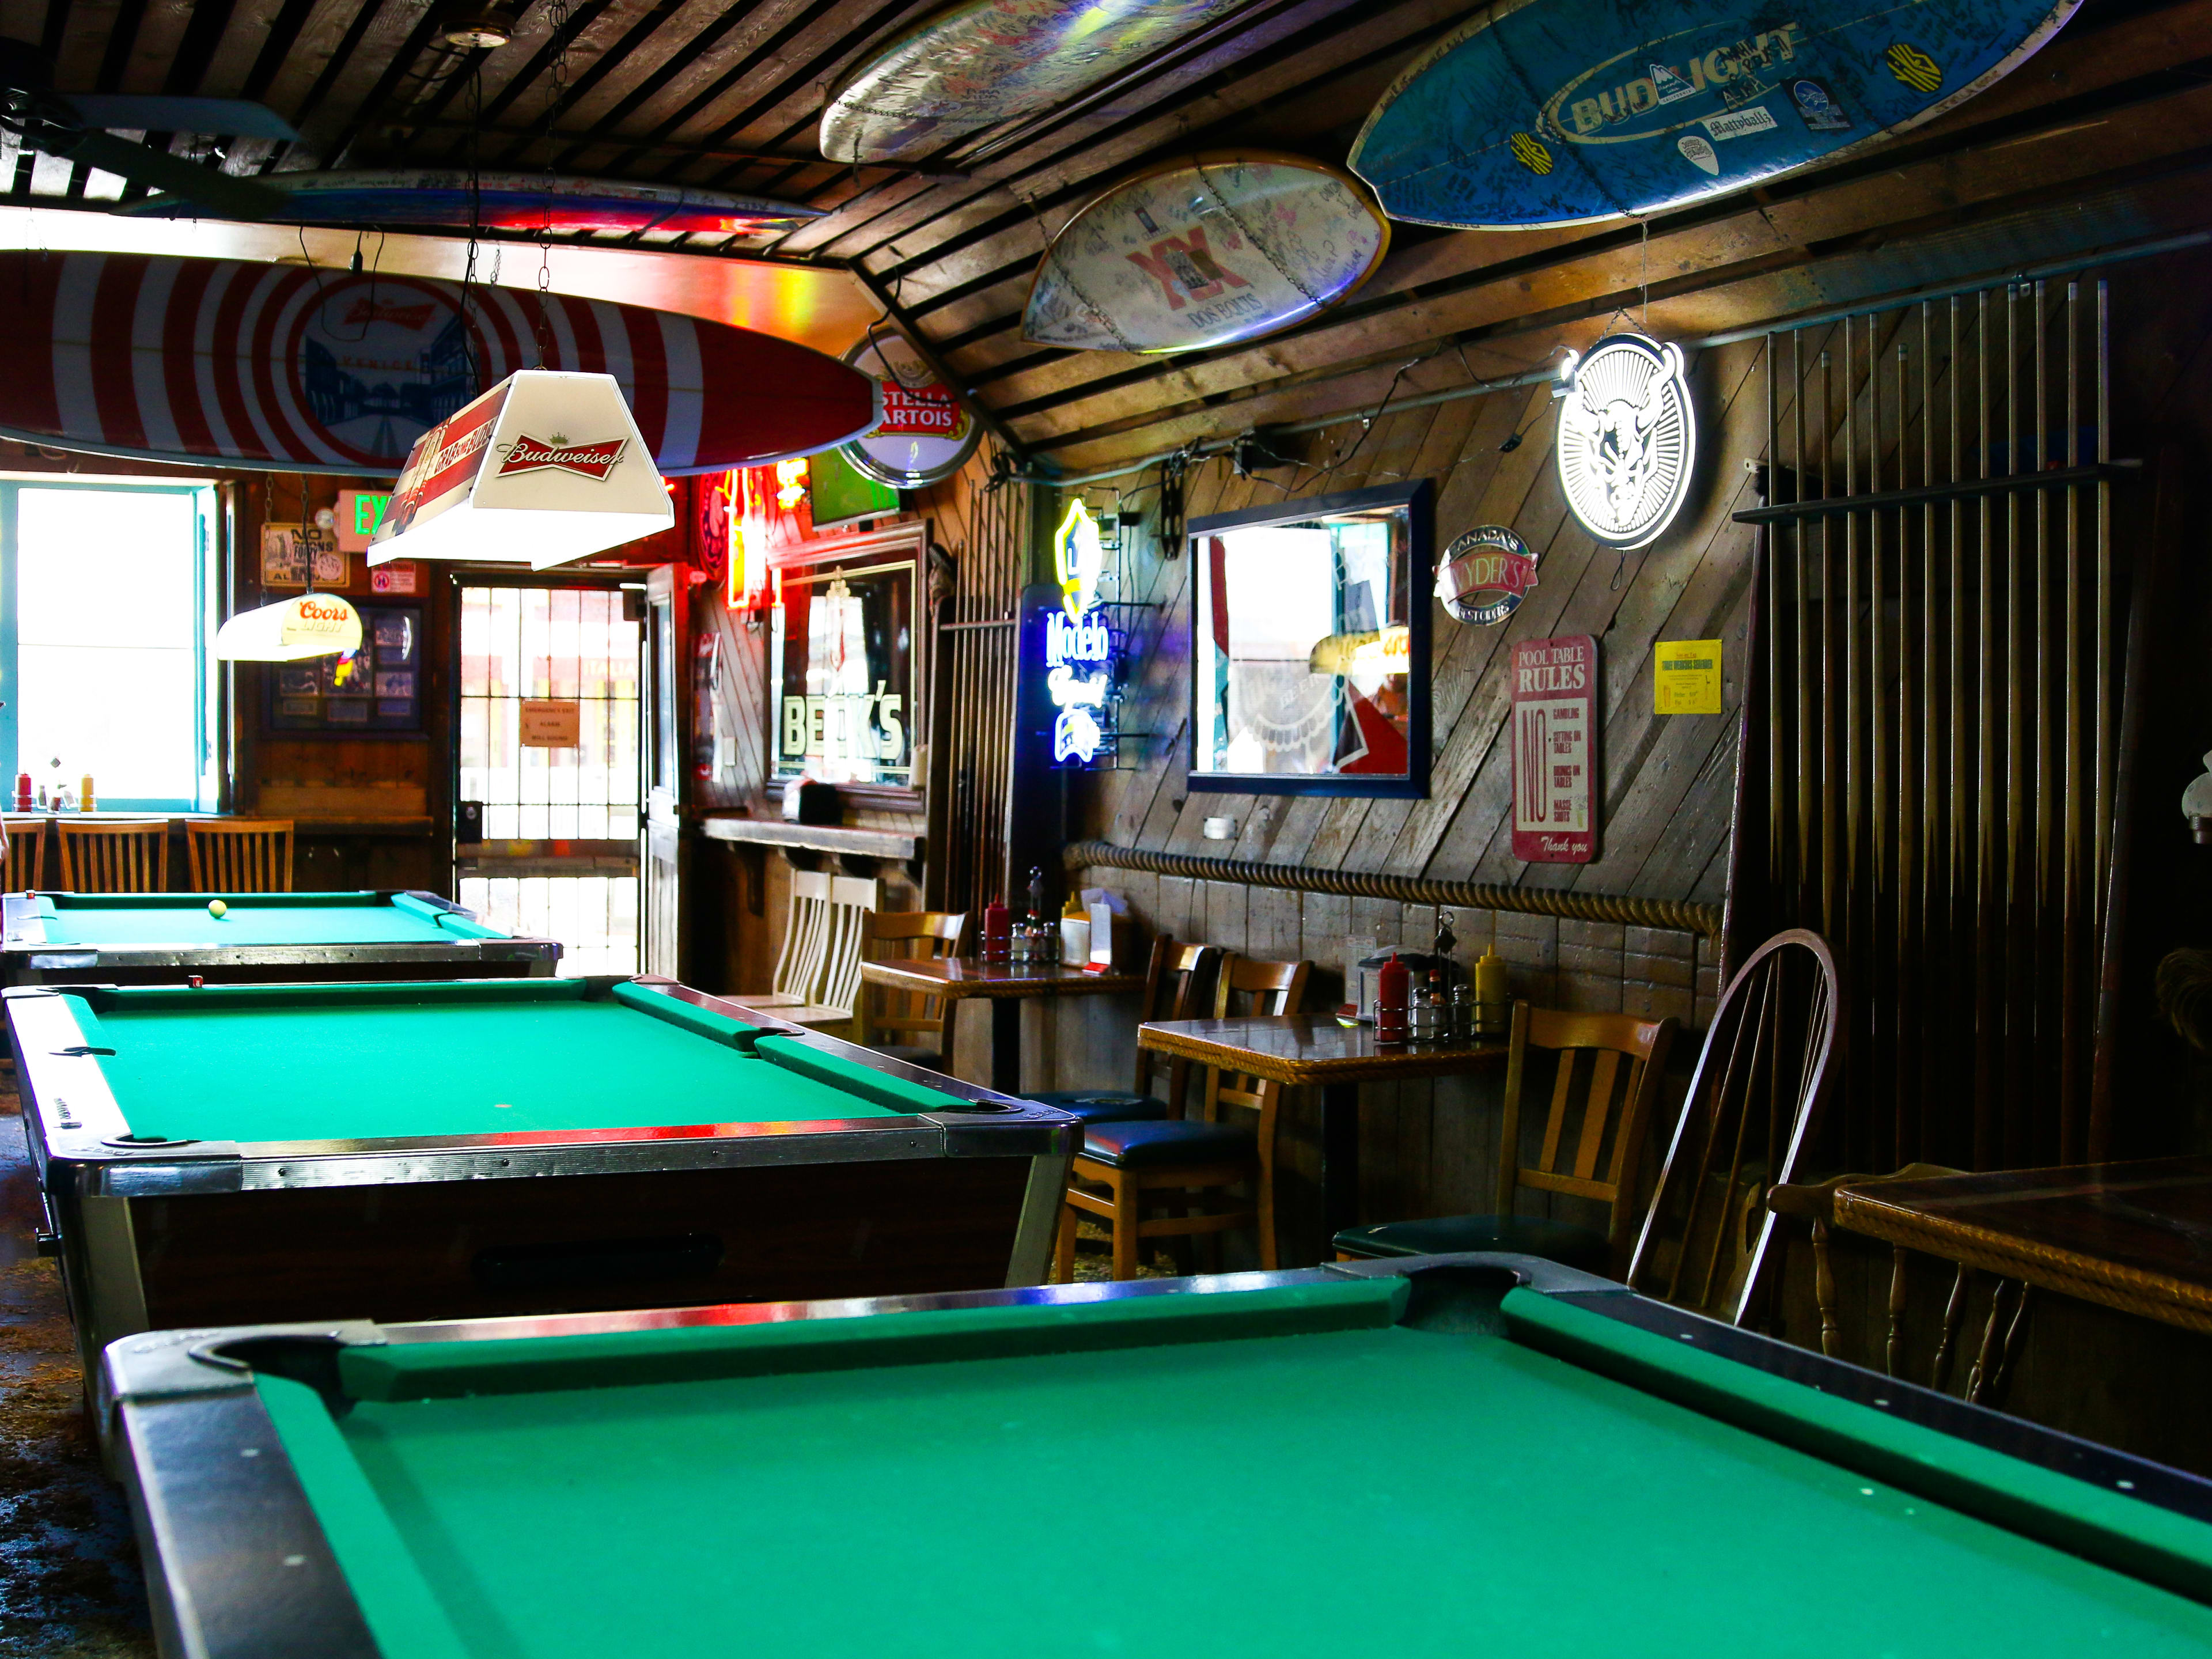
point(1335, 1058)
point(2136, 1236)
point(1006, 986)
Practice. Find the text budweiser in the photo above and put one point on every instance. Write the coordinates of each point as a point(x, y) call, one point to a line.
point(593, 461)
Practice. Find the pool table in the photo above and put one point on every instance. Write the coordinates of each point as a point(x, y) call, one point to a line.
point(238, 1154)
point(1428, 1458)
point(146, 939)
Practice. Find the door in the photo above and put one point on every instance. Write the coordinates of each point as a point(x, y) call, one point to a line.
point(549, 764)
point(665, 761)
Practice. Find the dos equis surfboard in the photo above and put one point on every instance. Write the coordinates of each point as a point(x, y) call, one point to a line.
point(1554, 112)
point(302, 370)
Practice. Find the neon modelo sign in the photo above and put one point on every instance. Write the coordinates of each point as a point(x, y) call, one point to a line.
point(1628, 440)
point(1079, 645)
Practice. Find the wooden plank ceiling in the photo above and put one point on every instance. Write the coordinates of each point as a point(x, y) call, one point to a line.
point(2102, 139)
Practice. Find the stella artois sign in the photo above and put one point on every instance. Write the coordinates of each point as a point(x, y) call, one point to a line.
point(543, 468)
point(926, 433)
point(1485, 574)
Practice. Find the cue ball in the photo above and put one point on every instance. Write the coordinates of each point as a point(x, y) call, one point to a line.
point(217, 908)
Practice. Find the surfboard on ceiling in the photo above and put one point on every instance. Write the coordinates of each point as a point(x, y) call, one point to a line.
point(1563, 111)
point(285, 366)
point(975, 64)
point(507, 201)
point(1205, 251)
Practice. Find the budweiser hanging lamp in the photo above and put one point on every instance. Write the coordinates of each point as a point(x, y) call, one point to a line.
point(291, 630)
point(543, 468)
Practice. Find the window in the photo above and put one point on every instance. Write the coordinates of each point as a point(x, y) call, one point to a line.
point(105, 597)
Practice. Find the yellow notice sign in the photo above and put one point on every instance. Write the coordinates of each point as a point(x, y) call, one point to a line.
point(1688, 680)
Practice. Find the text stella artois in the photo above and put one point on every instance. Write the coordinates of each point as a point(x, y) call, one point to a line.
point(918, 411)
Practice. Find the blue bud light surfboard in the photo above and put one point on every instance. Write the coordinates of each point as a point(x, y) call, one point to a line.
point(1557, 112)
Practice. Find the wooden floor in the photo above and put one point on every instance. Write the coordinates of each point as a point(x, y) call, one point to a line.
point(69, 1574)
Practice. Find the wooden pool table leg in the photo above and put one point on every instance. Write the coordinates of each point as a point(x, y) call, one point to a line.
point(1006, 1044)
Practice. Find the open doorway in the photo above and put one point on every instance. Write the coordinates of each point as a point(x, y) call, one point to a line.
point(547, 843)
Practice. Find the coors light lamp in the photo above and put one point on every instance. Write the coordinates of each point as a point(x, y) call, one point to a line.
point(543, 468)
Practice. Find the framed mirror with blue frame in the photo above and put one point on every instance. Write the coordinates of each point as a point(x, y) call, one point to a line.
point(1310, 645)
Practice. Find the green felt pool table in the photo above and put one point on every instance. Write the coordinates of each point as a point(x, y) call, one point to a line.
point(147, 938)
point(467, 1147)
point(1423, 1459)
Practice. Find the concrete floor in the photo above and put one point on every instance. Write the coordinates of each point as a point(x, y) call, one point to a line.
point(70, 1586)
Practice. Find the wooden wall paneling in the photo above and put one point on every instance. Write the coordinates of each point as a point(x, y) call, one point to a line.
point(1596, 607)
point(1486, 485)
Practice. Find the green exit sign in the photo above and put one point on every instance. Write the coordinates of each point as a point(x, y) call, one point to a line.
point(360, 513)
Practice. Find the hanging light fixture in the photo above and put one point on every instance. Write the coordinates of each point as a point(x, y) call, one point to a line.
point(545, 468)
point(291, 630)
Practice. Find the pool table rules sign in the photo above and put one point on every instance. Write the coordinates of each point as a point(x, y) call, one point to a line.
point(1554, 762)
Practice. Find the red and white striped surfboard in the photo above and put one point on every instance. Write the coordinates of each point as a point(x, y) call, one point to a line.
point(300, 370)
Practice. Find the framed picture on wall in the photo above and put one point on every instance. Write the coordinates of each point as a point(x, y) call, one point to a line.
point(1309, 646)
point(844, 660)
point(377, 688)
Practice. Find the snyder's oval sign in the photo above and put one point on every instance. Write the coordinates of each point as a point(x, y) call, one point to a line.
point(924, 434)
point(1485, 574)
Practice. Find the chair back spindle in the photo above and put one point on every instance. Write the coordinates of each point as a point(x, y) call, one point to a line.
point(114, 858)
point(851, 899)
point(245, 855)
point(906, 1017)
point(27, 854)
point(1603, 1092)
point(799, 964)
point(1748, 1125)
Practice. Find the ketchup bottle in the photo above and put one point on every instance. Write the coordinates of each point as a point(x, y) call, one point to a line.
point(998, 935)
point(1394, 988)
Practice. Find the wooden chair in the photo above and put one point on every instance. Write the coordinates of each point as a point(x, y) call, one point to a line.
point(26, 855)
point(1747, 1126)
point(114, 858)
point(837, 992)
point(1187, 1165)
point(1594, 1135)
point(1816, 1203)
point(798, 975)
point(1177, 980)
point(915, 1025)
point(240, 856)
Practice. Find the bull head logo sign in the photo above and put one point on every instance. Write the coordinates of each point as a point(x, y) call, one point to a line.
point(1627, 440)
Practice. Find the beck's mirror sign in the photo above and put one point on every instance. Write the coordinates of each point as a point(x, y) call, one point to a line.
point(840, 657)
point(1310, 645)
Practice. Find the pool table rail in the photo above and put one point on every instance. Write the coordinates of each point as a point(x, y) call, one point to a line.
point(32, 953)
point(180, 1408)
point(81, 1145)
point(949, 1186)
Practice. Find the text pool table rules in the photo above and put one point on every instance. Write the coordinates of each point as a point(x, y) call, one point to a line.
point(474, 1147)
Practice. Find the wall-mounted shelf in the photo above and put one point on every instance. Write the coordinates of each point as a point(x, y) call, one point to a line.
point(814, 837)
